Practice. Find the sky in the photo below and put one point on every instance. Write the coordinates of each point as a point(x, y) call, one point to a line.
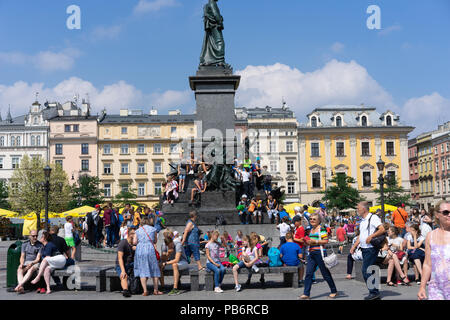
point(138, 54)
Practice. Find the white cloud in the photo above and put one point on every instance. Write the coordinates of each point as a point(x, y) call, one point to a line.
point(388, 30)
point(145, 6)
point(103, 32)
point(113, 97)
point(335, 83)
point(46, 61)
point(337, 47)
point(426, 112)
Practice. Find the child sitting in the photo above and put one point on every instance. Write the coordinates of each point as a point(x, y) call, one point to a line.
point(249, 259)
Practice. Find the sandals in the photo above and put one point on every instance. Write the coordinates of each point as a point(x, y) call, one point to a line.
point(405, 283)
point(333, 295)
point(303, 297)
point(391, 284)
point(157, 293)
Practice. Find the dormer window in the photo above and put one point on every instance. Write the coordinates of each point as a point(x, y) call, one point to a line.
point(388, 121)
point(338, 121)
point(314, 122)
point(364, 121)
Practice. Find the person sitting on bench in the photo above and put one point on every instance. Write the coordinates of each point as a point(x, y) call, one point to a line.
point(125, 260)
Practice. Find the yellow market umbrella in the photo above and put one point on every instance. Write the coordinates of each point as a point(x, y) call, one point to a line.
point(32, 215)
point(7, 213)
point(77, 212)
point(134, 206)
point(290, 208)
point(387, 207)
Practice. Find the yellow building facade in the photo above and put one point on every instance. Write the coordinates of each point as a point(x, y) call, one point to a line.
point(351, 140)
point(135, 151)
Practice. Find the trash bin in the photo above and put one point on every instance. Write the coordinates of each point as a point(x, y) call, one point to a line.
point(12, 263)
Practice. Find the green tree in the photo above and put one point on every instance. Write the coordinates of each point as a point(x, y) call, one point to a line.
point(86, 192)
point(4, 204)
point(125, 197)
point(341, 195)
point(26, 191)
point(393, 193)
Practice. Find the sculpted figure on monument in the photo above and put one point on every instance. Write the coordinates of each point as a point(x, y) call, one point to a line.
point(213, 51)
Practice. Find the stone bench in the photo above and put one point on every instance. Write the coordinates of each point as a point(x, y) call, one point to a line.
point(112, 281)
point(290, 275)
point(358, 269)
point(72, 276)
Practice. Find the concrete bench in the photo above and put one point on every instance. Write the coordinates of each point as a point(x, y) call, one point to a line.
point(358, 269)
point(72, 276)
point(290, 275)
point(113, 282)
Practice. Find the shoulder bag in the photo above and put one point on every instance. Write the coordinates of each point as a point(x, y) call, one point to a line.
point(376, 242)
point(158, 257)
point(331, 260)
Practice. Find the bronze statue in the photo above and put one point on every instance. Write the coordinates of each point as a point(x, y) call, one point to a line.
point(213, 51)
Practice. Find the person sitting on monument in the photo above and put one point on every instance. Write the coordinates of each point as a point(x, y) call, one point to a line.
point(171, 190)
point(266, 180)
point(200, 186)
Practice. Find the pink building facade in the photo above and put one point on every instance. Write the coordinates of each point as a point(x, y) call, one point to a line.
point(441, 148)
point(413, 169)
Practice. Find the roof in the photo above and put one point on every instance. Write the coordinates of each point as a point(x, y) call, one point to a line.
point(149, 119)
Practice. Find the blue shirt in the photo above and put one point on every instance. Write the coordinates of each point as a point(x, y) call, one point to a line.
point(49, 250)
point(284, 214)
point(290, 252)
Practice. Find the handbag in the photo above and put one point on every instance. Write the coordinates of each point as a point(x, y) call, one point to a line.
point(400, 254)
point(376, 242)
point(331, 260)
point(158, 257)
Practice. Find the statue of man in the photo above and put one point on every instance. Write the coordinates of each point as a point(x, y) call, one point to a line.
point(213, 51)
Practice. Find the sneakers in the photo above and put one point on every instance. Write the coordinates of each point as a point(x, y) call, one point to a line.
point(126, 294)
point(218, 290)
point(373, 297)
point(300, 283)
point(174, 292)
point(255, 268)
point(238, 288)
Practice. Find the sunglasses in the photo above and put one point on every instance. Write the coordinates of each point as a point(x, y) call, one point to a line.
point(445, 212)
point(33, 236)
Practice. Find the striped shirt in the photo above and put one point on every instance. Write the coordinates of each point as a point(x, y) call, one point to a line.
point(321, 235)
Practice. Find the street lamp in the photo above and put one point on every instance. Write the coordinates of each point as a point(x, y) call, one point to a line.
point(47, 172)
point(380, 166)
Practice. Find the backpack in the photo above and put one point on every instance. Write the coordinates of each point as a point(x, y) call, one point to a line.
point(114, 219)
point(274, 257)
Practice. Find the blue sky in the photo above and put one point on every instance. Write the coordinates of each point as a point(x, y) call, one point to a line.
point(140, 53)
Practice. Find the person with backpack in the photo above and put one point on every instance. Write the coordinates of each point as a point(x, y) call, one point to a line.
point(318, 237)
point(399, 218)
point(249, 259)
point(266, 180)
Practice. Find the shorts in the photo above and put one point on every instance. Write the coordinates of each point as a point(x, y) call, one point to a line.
point(192, 249)
point(416, 254)
point(70, 242)
point(182, 265)
point(128, 267)
point(29, 262)
point(267, 187)
point(182, 176)
point(257, 213)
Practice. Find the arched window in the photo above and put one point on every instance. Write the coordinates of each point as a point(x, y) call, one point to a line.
point(314, 122)
point(2, 141)
point(35, 120)
point(389, 121)
point(18, 141)
point(33, 140)
point(364, 121)
point(338, 122)
point(13, 141)
point(38, 140)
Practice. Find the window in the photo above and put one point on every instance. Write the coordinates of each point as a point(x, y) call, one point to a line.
point(391, 175)
point(273, 146)
point(124, 168)
point(173, 130)
point(124, 149)
point(157, 148)
point(107, 168)
point(338, 122)
point(106, 149)
point(158, 167)
point(18, 141)
point(437, 187)
point(173, 148)
point(124, 130)
point(442, 148)
point(38, 140)
point(141, 148)
point(367, 179)
point(59, 162)
point(1, 163)
point(58, 148)
point(15, 162)
point(141, 189)
point(291, 187)
point(448, 146)
point(107, 189)
point(316, 180)
point(124, 187)
point(256, 147)
point(448, 164)
point(158, 188)
point(365, 147)
point(290, 166)
point(444, 187)
point(2, 141)
point(443, 164)
point(314, 122)
point(340, 149)
point(67, 128)
point(84, 165)
point(289, 146)
point(390, 148)
point(273, 166)
point(389, 121)
point(435, 150)
point(76, 128)
point(437, 166)
point(141, 167)
point(33, 140)
point(315, 149)
point(84, 148)
point(364, 121)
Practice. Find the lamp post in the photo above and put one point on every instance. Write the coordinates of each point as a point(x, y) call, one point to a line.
point(47, 172)
point(380, 166)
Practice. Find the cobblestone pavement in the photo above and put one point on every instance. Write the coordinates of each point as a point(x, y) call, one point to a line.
point(274, 290)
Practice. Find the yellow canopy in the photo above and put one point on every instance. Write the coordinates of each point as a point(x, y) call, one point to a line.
point(134, 206)
point(387, 207)
point(29, 225)
point(32, 215)
point(290, 208)
point(77, 212)
point(7, 213)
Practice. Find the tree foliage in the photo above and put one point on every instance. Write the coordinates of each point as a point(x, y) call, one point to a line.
point(4, 204)
point(125, 197)
point(86, 192)
point(393, 193)
point(26, 187)
point(342, 195)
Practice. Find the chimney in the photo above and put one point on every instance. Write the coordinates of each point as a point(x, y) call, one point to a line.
point(175, 112)
point(153, 112)
point(124, 112)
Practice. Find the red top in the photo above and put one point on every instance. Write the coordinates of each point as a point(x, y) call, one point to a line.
point(299, 234)
point(340, 234)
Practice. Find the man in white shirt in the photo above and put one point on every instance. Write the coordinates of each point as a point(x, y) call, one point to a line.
point(369, 228)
